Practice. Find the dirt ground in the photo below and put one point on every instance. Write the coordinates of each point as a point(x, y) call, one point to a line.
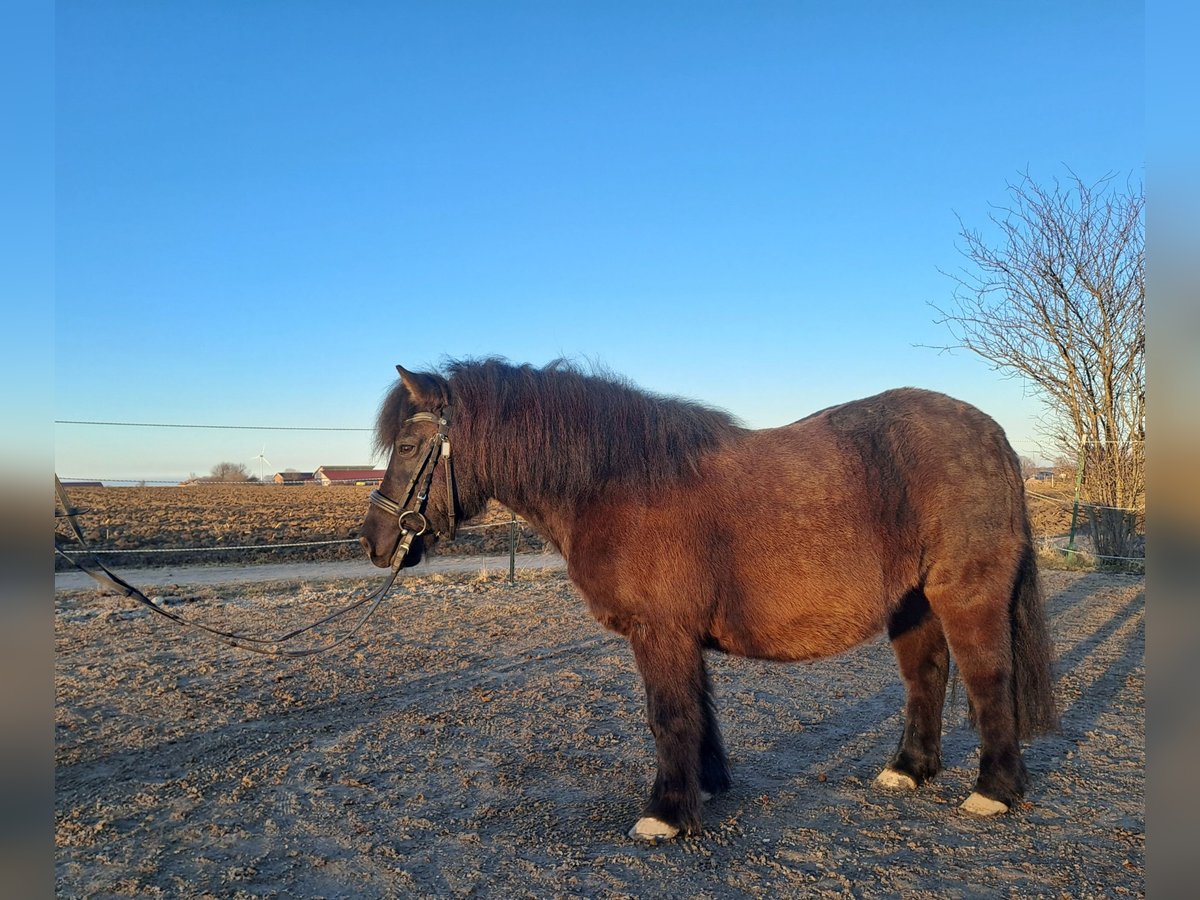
point(489, 739)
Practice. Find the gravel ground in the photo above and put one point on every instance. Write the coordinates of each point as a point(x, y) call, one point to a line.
point(487, 739)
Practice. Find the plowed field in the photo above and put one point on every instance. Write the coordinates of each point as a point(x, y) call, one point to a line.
point(204, 522)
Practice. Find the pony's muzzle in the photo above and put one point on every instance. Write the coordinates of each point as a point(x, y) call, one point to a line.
point(381, 560)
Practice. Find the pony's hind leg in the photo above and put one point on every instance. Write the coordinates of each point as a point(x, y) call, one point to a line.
point(924, 660)
point(679, 708)
point(977, 621)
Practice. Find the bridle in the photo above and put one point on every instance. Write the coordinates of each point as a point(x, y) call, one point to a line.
point(412, 521)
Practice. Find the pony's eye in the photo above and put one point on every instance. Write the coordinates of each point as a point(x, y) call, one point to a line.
point(406, 448)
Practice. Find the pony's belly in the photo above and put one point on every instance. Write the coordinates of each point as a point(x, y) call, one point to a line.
point(796, 636)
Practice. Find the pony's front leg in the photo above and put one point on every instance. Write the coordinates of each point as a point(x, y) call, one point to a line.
point(672, 667)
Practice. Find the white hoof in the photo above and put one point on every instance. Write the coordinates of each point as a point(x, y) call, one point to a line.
point(649, 828)
point(890, 778)
point(983, 806)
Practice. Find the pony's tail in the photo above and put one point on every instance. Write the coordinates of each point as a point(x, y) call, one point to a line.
point(1032, 652)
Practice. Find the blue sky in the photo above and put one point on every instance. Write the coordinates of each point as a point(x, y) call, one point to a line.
point(261, 207)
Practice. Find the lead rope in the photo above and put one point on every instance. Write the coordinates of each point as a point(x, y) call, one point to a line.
point(92, 566)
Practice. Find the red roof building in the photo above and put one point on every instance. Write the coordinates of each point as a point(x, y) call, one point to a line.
point(328, 475)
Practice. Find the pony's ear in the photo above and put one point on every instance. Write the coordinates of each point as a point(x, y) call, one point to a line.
point(423, 389)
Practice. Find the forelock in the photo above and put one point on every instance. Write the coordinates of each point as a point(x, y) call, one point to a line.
point(396, 407)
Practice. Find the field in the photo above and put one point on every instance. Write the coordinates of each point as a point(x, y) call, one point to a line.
point(487, 739)
point(199, 522)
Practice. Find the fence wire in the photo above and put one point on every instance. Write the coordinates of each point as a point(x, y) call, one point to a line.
point(273, 546)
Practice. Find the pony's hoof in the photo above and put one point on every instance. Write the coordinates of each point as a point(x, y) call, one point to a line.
point(649, 828)
point(897, 781)
point(979, 805)
point(705, 796)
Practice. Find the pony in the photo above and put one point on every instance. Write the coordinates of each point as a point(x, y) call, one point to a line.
point(685, 532)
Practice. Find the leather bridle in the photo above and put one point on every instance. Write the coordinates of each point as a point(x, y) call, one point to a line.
point(412, 521)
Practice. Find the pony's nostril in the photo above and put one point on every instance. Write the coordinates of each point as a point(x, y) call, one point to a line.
point(366, 544)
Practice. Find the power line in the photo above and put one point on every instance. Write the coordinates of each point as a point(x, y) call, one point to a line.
point(201, 481)
point(217, 427)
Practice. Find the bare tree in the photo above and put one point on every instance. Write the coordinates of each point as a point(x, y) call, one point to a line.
point(1029, 468)
point(1058, 298)
point(1064, 467)
point(229, 472)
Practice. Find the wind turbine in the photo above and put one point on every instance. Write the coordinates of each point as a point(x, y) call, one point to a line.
point(262, 463)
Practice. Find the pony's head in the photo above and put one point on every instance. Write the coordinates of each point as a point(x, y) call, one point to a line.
point(415, 502)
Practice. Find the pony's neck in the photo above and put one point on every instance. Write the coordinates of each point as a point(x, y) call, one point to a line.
point(547, 443)
point(549, 520)
point(522, 489)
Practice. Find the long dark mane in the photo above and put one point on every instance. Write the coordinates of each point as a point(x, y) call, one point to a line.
point(565, 432)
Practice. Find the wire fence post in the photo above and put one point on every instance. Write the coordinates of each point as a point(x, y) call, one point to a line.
point(512, 549)
point(1075, 505)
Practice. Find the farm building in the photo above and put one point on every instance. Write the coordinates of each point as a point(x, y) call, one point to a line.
point(1043, 475)
point(293, 477)
point(328, 475)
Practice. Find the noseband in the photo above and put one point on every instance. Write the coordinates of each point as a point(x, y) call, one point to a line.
point(412, 521)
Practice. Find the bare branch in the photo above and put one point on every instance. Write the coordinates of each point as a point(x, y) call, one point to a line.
point(1059, 299)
